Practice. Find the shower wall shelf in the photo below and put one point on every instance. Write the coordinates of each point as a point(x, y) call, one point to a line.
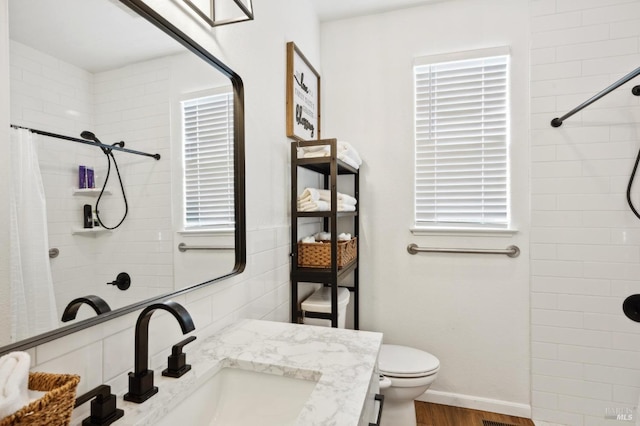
point(89, 192)
point(329, 168)
point(90, 231)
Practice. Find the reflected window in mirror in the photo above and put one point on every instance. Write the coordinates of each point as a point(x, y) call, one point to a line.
point(208, 174)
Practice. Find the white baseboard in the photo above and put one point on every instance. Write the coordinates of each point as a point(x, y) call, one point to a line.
point(476, 403)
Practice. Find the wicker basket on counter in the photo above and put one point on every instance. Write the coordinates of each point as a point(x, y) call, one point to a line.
point(53, 408)
point(318, 255)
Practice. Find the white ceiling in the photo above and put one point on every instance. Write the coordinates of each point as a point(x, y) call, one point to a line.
point(91, 34)
point(96, 36)
point(329, 10)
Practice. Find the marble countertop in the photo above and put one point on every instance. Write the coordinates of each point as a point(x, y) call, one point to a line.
point(344, 361)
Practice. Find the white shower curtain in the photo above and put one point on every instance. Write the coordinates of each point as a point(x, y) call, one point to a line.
point(33, 307)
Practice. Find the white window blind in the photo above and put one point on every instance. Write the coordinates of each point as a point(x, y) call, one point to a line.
point(462, 122)
point(208, 162)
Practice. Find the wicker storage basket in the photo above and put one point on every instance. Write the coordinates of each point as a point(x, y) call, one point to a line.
point(53, 408)
point(315, 255)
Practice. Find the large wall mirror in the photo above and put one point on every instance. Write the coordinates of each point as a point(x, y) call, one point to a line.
point(87, 75)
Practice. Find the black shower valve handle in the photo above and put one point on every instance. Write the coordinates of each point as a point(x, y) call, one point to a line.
point(631, 307)
point(123, 281)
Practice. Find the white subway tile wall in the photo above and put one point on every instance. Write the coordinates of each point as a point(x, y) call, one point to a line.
point(585, 249)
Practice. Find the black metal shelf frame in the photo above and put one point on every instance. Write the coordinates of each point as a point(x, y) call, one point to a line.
point(330, 167)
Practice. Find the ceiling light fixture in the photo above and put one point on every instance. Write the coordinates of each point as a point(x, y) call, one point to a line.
point(222, 12)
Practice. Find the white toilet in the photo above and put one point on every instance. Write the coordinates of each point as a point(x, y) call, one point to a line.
point(406, 373)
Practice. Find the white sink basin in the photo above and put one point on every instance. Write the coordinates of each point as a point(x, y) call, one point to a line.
point(237, 397)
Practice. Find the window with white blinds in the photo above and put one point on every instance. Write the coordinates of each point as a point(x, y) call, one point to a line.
point(462, 139)
point(208, 162)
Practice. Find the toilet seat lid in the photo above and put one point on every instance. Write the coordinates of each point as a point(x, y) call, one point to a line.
point(403, 361)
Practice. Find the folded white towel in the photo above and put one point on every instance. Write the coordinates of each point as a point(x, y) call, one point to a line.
point(350, 160)
point(346, 149)
point(325, 195)
point(310, 195)
point(345, 236)
point(14, 382)
point(313, 206)
point(353, 162)
point(320, 206)
point(346, 207)
point(346, 152)
point(309, 239)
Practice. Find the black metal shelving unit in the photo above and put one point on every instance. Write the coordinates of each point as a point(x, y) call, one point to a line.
point(330, 168)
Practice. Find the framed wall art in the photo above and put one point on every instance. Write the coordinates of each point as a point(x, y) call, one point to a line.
point(303, 96)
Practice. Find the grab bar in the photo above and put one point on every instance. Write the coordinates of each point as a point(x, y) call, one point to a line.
point(511, 251)
point(183, 247)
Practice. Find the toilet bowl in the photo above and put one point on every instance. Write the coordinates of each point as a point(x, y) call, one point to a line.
point(406, 373)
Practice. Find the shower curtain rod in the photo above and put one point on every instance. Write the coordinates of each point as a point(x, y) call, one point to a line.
point(557, 122)
point(87, 142)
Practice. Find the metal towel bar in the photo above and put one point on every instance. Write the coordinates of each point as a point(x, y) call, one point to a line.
point(183, 247)
point(511, 251)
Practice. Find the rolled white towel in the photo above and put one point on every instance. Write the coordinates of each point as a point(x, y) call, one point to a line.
point(325, 195)
point(345, 236)
point(309, 194)
point(323, 236)
point(14, 382)
point(309, 239)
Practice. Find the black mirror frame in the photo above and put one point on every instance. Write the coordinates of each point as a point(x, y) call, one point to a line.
point(239, 181)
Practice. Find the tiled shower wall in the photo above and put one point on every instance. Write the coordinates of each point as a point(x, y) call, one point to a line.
point(130, 104)
point(585, 250)
point(134, 104)
point(51, 95)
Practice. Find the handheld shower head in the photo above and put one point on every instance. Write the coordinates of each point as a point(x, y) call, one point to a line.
point(90, 136)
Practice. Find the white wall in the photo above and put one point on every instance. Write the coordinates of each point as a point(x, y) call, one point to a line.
point(470, 311)
point(5, 171)
point(256, 51)
point(585, 247)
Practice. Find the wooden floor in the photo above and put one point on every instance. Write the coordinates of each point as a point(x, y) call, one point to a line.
point(444, 415)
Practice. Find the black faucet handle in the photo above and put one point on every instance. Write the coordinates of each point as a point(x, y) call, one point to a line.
point(103, 407)
point(178, 360)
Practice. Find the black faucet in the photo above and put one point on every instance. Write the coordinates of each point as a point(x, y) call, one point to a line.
point(141, 380)
point(97, 303)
